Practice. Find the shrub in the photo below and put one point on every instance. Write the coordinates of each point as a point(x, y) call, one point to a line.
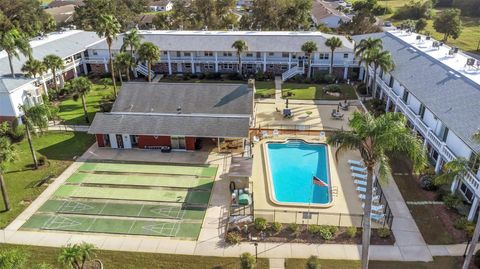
point(329, 78)
point(470, 229)
point(333, 229)
point(313, 263)
point(313, 229)
point(452, 200)
point(16, 132)
point(235, 76)
point(260, 224)
point(384, 232)
point(42, 160)
point(362, 88)
point(233, 238)
point(293, 227)
point(426, 183)
point(351, 231)
point(201, 76)
point(276, 226)
point(214, 75)
point(325, 232)
point(461, 223)
point(476, 260)
point(334, 88)
point(247, 261)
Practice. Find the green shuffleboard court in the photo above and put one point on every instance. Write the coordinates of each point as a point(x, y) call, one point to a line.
point(128, 198)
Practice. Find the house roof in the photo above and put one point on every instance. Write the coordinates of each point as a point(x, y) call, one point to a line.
point(59, 3)
point(450, 95)
point(322, 10)
point(160, 3)
point(62, 44)
point(193, 98)
point(169, 40)
point(170, 124)
point(62, 14)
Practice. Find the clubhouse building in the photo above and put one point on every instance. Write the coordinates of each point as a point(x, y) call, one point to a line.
point(178, 116)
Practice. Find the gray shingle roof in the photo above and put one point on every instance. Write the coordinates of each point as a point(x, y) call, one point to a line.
point(454, 100)
point(204, 98)
point(167, 125)
point(223, 40)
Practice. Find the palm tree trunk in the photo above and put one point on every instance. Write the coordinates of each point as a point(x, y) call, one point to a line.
point(55, 79)
point(85, 109)
point(331, 64)
point(366, 223)
point(128, 72)
point(374, 82)
point(239, 63)
point(309, 73)
point(149, 70)
point(30, 144)
point(471, 248)
point(120, 76)
point(111, 69)
point(4, 193)
point(11, 65)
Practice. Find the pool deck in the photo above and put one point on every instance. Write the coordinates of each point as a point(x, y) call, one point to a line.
point(346, 208)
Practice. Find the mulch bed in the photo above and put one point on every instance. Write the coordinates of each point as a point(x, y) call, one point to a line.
point(303, 236)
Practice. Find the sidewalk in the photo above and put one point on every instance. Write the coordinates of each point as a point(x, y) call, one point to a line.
point(68, 128)
point(353, 102)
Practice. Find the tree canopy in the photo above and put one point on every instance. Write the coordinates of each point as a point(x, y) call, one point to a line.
point(448, 23)
point(26, 15)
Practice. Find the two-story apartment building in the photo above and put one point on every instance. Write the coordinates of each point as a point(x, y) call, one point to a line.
point(438, 89)
point(211, 51)
point(69, 45)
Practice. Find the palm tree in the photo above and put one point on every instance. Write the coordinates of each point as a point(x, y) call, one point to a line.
point(81, 86)
point(7, 154)
point(108, 27)
point(149, 53)
point(124, 61)
point(54, 63)
point(363, 47)
point(33, 67)
point(131, 40)
point(382, 59)
point(77, 255)
point(241, 46)
point(34, 117)
point(373, 137)
point(308, 48)
point(333, 43)
point(14, 41)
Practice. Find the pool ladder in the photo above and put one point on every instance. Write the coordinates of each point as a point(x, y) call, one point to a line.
point(335, 191)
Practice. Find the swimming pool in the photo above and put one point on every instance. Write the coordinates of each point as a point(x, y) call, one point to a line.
point(292, 165)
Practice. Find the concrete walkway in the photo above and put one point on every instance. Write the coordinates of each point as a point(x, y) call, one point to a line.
point(68, 128)
point(305, 102)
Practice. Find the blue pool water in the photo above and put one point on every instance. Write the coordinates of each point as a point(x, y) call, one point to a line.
point(292, 166)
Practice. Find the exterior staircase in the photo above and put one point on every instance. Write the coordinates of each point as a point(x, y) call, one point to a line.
point(292, 72)
point(142, 69)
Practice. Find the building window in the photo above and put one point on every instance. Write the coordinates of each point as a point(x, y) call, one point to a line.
point(391, 81)
point(249, 55)
point(95, 52)
point(208, 54)
point(209, 66)
point(188, 65)
point(285, 55)
point(345, 55)
point(259, 55)
point(323, 56)
point(227, 54)
point(249, 66)
point(187, 54)
point(405, 96)
point(165, 53)
point(474, 162)
point(271, 54)
point(421, 111)
point(466, 192)
point(227, 66)
point(444, 133)
point(284, 67)
point(178, 54)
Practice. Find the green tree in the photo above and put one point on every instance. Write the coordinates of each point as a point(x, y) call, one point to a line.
point(382, 59)
point(28, 16)
point(35, 117)
point(448, 23)
point(333, 43)
point(149, 53)
point(374, 137)
point(77, 255)
point(420, 25)
point(124, 61)
point(7, 154)
point(13, 41)
point(54, 63)
point(132, 41)
point(109, 27)
point(309, 48)
point(362, 49)
point(240, 46)
point(247, 261)
point(33, 68)
point(81, 86)
point(12, 259)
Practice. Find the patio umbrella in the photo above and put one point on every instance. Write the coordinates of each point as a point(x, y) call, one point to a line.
point(286, 102)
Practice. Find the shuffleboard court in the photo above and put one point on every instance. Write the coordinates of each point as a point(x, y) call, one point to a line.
point(204, 171)
point(167, 211)
point(142, 180)
point(126, 198)
point(180, 196)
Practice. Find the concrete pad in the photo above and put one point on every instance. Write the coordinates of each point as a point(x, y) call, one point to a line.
point(96, 240)
point(131, 244)
point(353, 252)
point(166, 246)
point(113, 243)
point(25, 238)
point(55, 240)
point(277, 250)
point(277, 263)
point(385, 253)
point(209, 249)
point(148, 245)
point(404, 224)
point(209, 234)
point(331, 251)
point(185, 247)
point(404, 239)
point(303, 250)
point(413, 253)
point(439, 250)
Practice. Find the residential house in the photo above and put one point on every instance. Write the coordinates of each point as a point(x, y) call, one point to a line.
point(325, 13)
point(162, 5)
point(438, 89)
point(63, 15)
point(181, 116)
point(61, 3)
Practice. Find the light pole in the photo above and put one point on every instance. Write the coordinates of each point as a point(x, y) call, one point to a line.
point(256, 251)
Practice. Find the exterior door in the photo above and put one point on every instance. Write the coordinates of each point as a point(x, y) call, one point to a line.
point(178, 142)
point(119, 141)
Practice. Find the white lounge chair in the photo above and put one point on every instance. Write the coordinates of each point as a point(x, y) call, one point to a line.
point(256, 139)
point(276, 132)
point(361, 189)
point(377, 217)
point(378, 208)
point(360, 182)
point(361, 196)
point(264, 134)
point(358, 169)
point(356, 163)
point(359, 176)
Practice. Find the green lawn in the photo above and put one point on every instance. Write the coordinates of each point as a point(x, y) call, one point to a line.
point(133, 260)
point(438, 263)
point(59, 147)
point(71, 112)
point(302, 91)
